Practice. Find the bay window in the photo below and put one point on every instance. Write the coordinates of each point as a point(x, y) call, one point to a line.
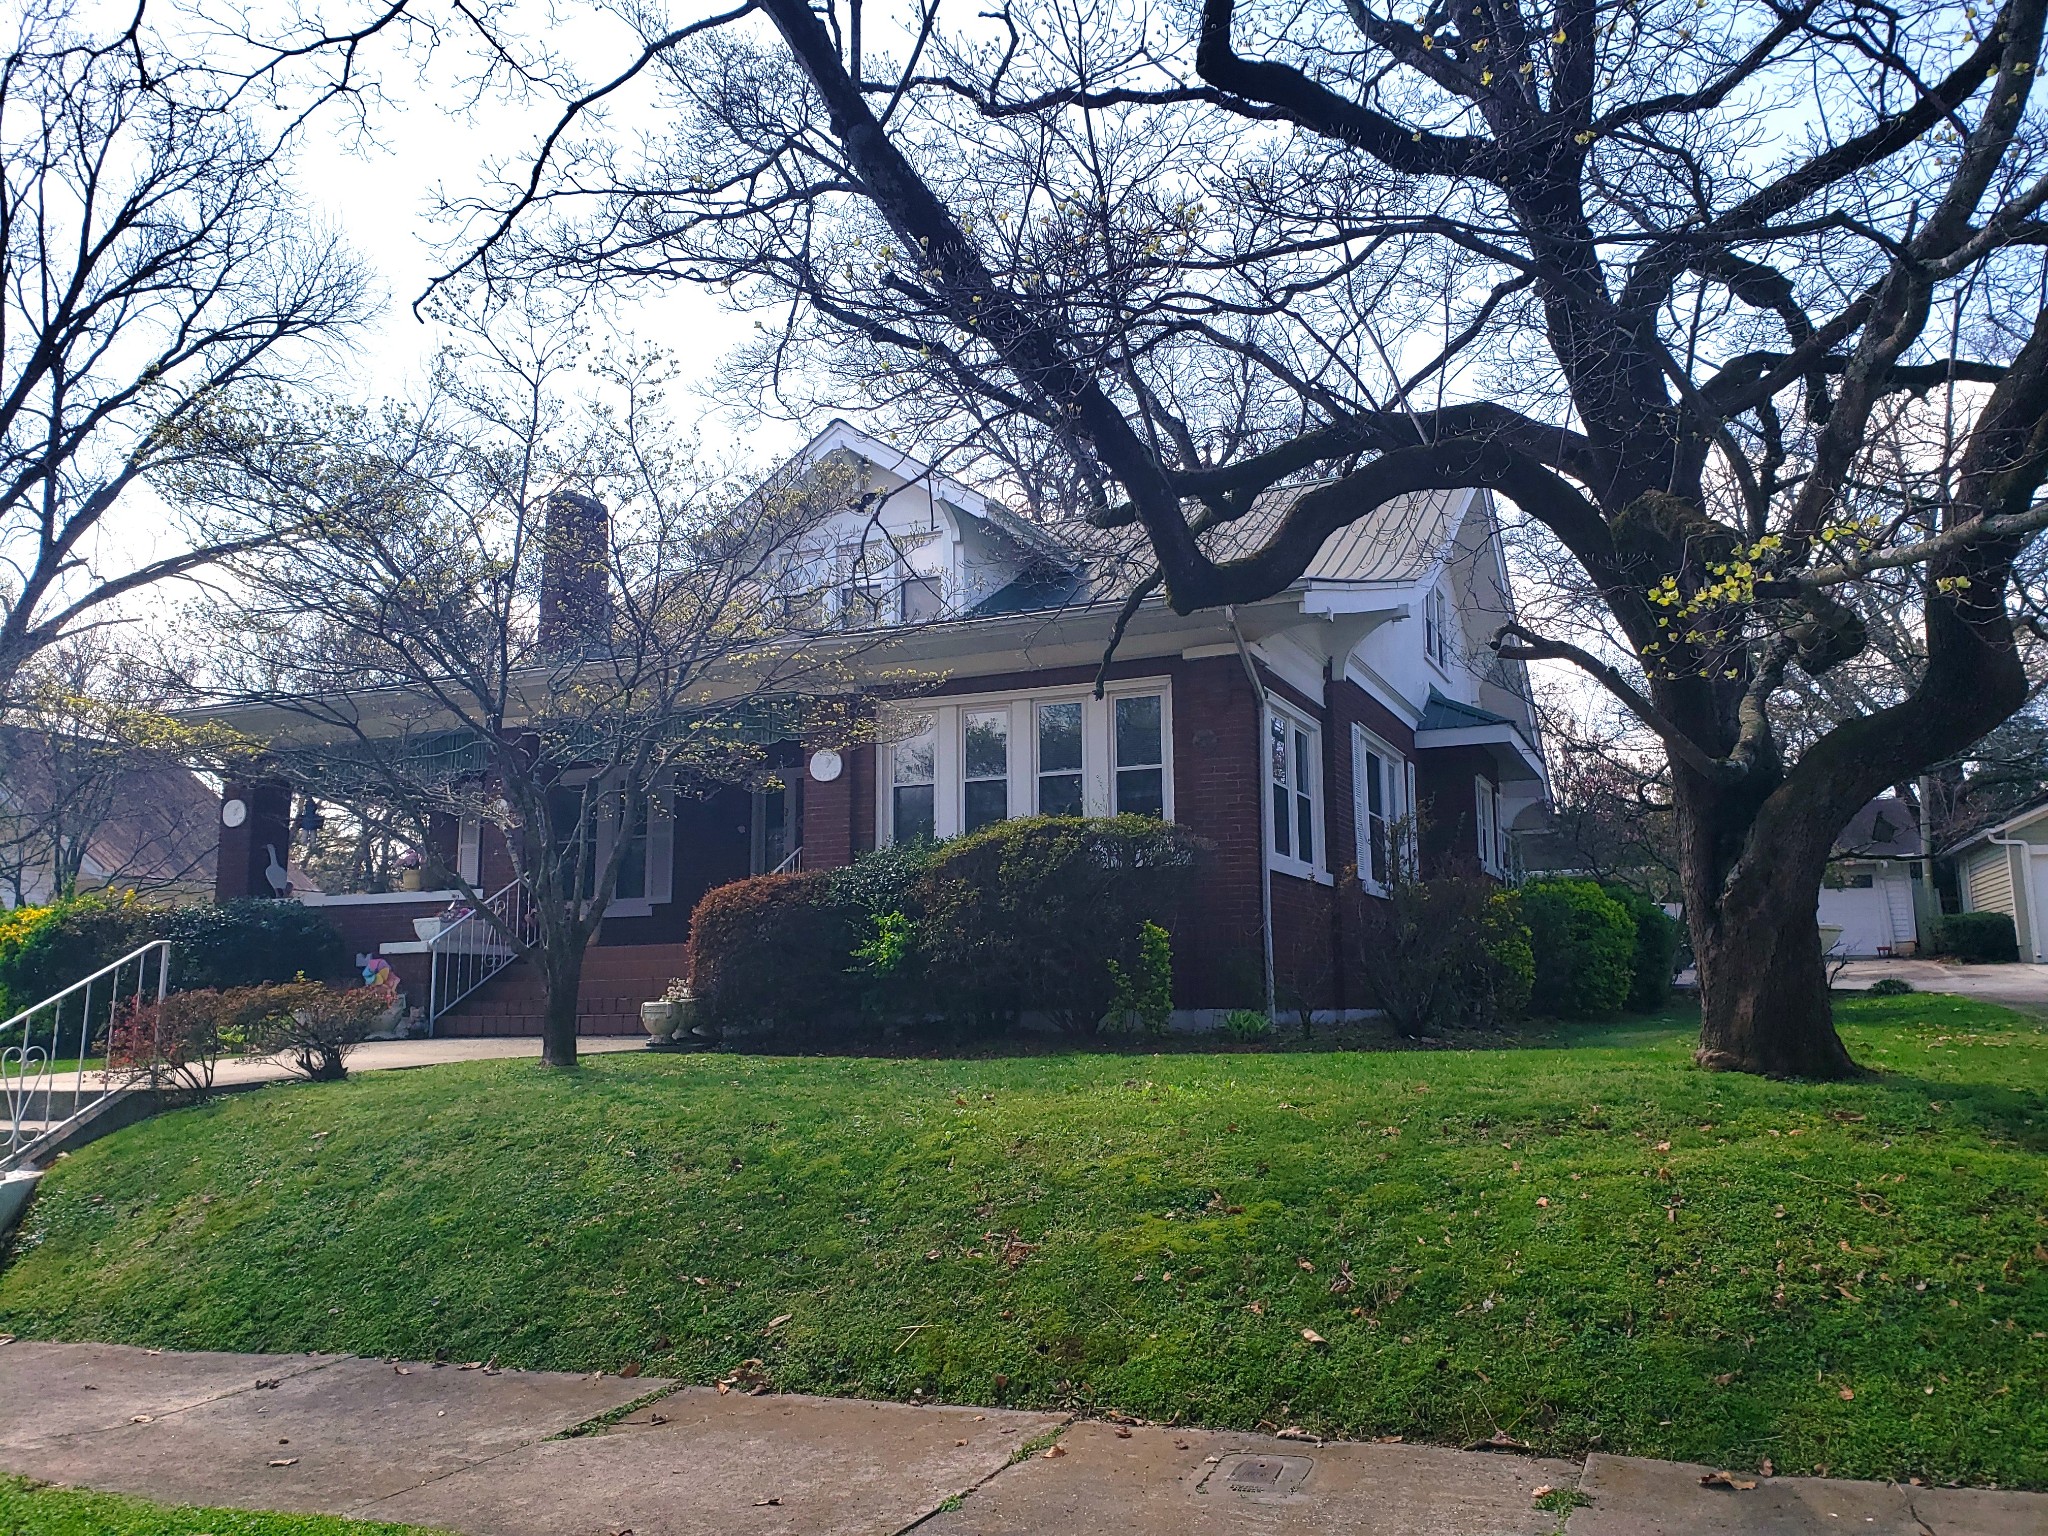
point(957, 766)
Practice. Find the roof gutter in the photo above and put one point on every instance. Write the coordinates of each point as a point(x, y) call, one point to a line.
point(1251, 671)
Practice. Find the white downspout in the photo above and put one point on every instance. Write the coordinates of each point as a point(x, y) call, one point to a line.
point(1251, 671)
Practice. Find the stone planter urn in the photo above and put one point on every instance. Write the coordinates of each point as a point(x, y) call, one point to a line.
point(660, 1020)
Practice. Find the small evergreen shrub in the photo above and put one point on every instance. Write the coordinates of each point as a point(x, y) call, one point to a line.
point(1440, 954)
point(1658, 935)
point(1982, 936)
point(1247, 1025)
point(773, 952)
point(1029, 914)
point(1890, 986)
point(1143, 997)
point(1583, 942)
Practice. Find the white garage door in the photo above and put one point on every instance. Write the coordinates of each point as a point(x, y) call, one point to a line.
point(2038, 909)
point(1864, 916)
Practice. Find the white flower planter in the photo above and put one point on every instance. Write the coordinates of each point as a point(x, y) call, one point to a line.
point(659, 1020)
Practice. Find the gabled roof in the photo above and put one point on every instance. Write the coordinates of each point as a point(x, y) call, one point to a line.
point(1886, 828)
point(2033, 812)
point(1398, 542)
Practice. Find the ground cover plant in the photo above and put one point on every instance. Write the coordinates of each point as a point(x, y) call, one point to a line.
point(37, 1509)
point(1584, 1244)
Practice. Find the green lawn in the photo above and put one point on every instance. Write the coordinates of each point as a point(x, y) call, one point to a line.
point(34, 1509)
point(1593, 1245)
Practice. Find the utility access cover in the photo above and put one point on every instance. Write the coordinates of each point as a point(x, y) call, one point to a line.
point(1264, 1474)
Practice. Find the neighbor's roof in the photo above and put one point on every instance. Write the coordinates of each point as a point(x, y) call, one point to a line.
point(1886, 828)
point(2033, 812)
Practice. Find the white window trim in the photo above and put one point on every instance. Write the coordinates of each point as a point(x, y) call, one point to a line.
point(1098, 770)
point(661, 846)
point(469, 849)
point(1319, 806)
point(1486, 813)
point(1438, 623)
point(1399, 788)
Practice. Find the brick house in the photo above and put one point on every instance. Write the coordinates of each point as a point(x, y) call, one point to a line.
point(1376, 707)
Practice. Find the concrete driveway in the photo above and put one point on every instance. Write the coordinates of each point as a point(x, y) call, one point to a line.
point(2024, 987)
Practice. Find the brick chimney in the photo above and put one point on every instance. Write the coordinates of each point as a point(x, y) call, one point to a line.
point(575, 576)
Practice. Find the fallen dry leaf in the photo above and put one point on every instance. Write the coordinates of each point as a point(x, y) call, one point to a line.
point(142, 1418)
point(1846, 1394)
point(1257, 1309)
point(1294, 1432)
point(1054, 1452)
point(1313, 1337)
point(1542, 1492)
point(1726, 1480)
point(776, 1322)
point(1543, 1200)
point(766, 1503)
point(1121, 1433)
point(1304, 1264)
point(285, 1461)
point(1767, 1469)
point(630, 1368)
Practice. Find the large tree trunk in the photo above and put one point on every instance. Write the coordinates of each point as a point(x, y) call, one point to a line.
point(564, 973)
point(1752, 869)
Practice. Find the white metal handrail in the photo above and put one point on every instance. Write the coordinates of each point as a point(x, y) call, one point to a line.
point(468, 952)
point(30, 1071)
point(792, 864)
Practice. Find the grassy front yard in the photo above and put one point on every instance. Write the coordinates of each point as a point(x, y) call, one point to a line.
point(34, 1509)
point(1594, 1246)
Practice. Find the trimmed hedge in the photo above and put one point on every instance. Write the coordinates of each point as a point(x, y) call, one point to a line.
point(1658, 935)
point(1585, 947)
point(1045, 914)
point(772, 950)
point(1042, 913)
point(1981, 936)
point(248, 943)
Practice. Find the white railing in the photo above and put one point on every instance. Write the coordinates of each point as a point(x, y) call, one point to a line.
point(41, 1047)
point(792, 864)
point(467, 952)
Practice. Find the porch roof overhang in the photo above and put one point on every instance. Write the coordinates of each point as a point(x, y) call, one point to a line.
point(1516, 759)
point(853, 662)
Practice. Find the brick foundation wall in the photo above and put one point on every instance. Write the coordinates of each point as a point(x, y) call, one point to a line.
point(616, 981)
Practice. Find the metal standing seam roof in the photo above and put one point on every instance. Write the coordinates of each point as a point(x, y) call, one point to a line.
point(1447, 714)
point(1399, 541)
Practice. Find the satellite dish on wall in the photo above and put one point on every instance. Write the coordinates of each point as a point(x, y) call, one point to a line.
point(826, 766)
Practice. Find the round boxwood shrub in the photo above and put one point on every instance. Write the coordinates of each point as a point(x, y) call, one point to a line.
point(253, 942)
point(1982, 936)
point(1584, 943)
point(1656, 953)
point(771, 952)
point(1028, 915)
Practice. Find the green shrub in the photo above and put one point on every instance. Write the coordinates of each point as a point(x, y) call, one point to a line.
point(1584, 946)
point(1143, 997)
point(1983, 936)
point(1658, 935)
point(1444, 953)
point(1891, 986)
point(1247, 1025)
point(252, 942)
point(45, 949)
point(247, 943)
point(1029, 914)
point(884, 879)
point(773, 952)
point(181, 1039)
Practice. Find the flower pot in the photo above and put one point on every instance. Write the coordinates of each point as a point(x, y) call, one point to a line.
point(660, 1020)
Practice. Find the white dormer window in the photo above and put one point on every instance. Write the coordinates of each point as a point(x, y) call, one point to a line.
point(1437, 627)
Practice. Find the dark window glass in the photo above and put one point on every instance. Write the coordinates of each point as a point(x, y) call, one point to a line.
point(1140, 757)
point(1059, 759)
point(988, 801)
point(913, 815)
point(1304, 806)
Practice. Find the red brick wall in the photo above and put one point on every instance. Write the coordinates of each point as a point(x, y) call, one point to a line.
point(616, 981)
point(1447, 806)
point(1216, 767)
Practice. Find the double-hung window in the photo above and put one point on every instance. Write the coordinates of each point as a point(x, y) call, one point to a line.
point(1139, 741)
point(1380, 784)
point(954, 766)
point(1492, 844)
point(590, 823)
point(1294, 765)
point(985, 767)
point(913, 782)
point(1060, 757)
point(1436, 633)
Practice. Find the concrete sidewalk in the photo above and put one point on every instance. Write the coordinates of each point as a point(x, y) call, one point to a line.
point(491, 1453)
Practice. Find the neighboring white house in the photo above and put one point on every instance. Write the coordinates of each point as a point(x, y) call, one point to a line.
point(1875, 884)
point(2004, 868)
